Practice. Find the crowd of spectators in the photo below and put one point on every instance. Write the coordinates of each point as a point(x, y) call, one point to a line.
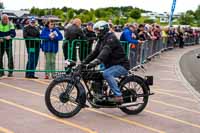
point(133, 33)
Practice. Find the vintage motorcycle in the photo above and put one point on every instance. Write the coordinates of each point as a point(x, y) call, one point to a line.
point(67, 94)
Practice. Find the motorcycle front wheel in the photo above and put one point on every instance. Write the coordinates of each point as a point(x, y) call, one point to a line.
point(63, 98)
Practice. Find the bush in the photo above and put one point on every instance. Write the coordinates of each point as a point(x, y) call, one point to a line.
point(149, 21)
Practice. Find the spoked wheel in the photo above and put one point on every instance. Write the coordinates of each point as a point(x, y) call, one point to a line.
point(134, 90)
point(62, 99)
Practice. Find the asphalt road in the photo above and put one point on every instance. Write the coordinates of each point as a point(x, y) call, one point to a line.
point(171, 110)
point(190, 67)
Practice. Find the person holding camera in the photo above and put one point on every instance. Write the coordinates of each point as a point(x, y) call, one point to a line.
point(51, 36)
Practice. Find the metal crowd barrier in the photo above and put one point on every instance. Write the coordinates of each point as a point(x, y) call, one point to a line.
point(126, 47)
point(84, 49)
point(17, 53)
point(189, 41)
point(152, 48)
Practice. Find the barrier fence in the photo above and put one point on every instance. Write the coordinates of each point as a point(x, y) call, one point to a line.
point(19, 50)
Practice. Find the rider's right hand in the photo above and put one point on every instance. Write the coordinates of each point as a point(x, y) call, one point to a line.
point(93, 64)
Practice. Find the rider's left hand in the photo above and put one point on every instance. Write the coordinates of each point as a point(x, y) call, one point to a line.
point(91, 65)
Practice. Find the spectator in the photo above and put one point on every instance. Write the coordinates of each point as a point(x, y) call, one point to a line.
point(71, 33)
point(127, 35)
point(50, 45)
point(180, 37)
point(33, 47)
point(90, 35)
point(112, 28)
point(148, 29)
point(66, 25)
point(164, 36)
point(7, 32)
point(141, 33)
point(59, 26)
point(170, 40)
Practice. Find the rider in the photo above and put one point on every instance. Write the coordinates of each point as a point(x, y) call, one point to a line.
point(109, 52)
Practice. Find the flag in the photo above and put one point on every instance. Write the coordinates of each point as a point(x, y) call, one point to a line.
point(172, 12)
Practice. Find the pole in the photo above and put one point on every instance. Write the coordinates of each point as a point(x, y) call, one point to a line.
point(172, 12)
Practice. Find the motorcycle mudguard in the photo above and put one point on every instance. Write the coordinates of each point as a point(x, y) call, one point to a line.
point(133, 76)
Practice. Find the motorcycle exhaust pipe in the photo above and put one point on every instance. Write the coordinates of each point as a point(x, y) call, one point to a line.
point(129, 104)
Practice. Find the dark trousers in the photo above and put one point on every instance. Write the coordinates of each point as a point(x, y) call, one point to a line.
point(6, 47)
point(32, 62)
point(181, 43)
point(65, 50)
point(133, 57)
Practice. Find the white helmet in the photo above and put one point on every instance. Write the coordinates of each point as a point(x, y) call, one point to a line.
point(101, 28)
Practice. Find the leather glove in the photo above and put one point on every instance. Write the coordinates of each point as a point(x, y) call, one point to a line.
point(83, 66)
point(93, 63)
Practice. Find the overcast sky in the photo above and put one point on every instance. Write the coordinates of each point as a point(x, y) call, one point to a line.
point(151, 5)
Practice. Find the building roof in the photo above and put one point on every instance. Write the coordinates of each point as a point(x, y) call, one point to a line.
point(17, 13)
point(26, 14)
point(50, 17)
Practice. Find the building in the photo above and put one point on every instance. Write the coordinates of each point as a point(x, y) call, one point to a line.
point(18, 17)
point(14, 13)
point(164, 17)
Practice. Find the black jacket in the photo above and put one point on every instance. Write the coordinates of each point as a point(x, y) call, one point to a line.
point(142, 36)
point(73, 32)
point(109, 51)
point(31, 32)
point(90, 35)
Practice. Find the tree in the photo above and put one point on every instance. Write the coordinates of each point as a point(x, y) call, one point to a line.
point(186, 19)
point(135, 14)
point(64, 9)
point(116, 20)
point(35, 11)
point(41, 13)
point(190, 12)
point(58, 13)
point(197, 15)
point(81, 11)
point(1, 5)
point(149, 21)
point(98, 13)
point(70, 14)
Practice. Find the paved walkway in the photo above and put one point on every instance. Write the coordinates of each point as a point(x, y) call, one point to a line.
point(173, 109)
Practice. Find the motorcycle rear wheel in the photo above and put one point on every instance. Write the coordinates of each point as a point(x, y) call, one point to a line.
point(139, 92)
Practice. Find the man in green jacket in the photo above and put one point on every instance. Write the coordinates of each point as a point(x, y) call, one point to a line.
point(7, 32)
